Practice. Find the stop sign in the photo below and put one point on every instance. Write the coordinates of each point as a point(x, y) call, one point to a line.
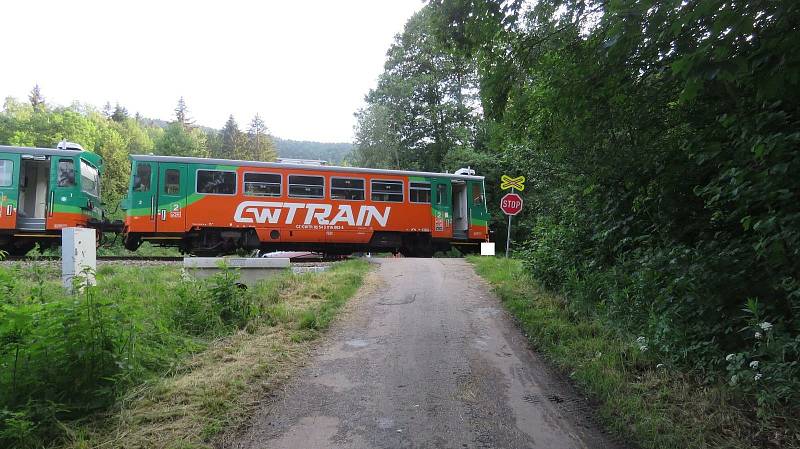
point(511, 204)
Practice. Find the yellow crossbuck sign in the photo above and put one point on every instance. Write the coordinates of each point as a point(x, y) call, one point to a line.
point(507, 182)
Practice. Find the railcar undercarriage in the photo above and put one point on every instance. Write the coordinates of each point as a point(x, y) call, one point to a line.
point(222, 241)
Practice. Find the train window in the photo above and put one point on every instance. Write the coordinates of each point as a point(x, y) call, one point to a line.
point(90, 179)
point(441, 191)
point(6, 172)
point(347, 189)
point(66, 173)
point(387, 191)
point(262, 184)
point(141, 180)
point(172, 181)
point(301, 186)
point(216, 182)
point(477, 194)
point(420, 192)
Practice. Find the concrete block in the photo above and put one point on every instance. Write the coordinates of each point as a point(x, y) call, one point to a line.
point(251, 269)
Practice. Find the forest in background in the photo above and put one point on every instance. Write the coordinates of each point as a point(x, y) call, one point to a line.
point(114, 134)
point(660, 142)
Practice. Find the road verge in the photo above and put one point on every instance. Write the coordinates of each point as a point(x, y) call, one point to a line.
point(220, 387)
point(639, 398)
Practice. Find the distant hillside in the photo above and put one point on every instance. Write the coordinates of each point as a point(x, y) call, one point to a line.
point(334, 153)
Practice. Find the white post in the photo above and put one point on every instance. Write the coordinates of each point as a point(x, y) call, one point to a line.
point(78, 255)
point(508, 235)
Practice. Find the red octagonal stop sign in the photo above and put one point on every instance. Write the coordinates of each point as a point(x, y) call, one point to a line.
point(511, 204)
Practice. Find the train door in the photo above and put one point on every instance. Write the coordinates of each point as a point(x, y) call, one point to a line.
point(9, 190)
point(460, 210)
point(442, 208)
point(63, 170)
point(478, 216)
point(172, 182)
point(34, 194)
point(142, 212)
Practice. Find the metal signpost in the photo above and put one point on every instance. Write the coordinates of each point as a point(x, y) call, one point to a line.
point(511, 203)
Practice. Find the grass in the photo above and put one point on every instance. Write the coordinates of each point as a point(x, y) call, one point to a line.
point(639, 398)
point(149, 358)
point(220, 387)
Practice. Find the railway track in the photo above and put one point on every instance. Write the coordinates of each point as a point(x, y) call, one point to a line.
point(304, 258)
point(101, 258)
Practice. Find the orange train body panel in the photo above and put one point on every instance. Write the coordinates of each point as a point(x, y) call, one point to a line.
point(301, 219)
point(61, 220)
point(157, 212)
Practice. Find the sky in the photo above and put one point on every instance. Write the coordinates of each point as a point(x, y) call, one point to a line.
point(304, 66)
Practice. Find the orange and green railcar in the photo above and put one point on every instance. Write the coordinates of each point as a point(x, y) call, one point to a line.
point(217, 206)
point(43, 190)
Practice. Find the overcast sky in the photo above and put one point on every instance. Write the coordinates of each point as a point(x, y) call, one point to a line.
point(303, 65)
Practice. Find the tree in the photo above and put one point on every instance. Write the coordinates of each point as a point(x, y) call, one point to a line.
point(107, 109)
point(376, 140)
point(182, 114)
point(661, 144)
point(179, 141)
point(36, 99)
point(423, 105)
point(231, 141)
point(260, 146)
point(120, 114)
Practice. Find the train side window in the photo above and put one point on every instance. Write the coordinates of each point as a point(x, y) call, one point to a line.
point(6, 172)
point(141, 181)
point(66, 173)
point(90, 179)
point(262, 184)
point(391, 191)
point(172, 181)
point(441, 191)
point(477, 195)
point(347, 189)
point(301, 186)
point(420, 192)
point(216, 182)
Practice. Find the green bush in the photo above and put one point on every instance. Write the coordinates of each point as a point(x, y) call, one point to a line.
point(65, 356)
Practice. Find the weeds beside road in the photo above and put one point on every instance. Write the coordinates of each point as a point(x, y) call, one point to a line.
point(640, 397)
point(147, 358)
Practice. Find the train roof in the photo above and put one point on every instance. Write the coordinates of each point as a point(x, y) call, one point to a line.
point(39, 151)
point(283, 165)
point(92, 158)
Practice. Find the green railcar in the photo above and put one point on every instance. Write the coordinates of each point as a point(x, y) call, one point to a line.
point(43, 190)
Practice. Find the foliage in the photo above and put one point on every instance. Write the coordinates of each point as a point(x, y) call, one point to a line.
point(424, 104)
point(221, 387)
point(65, 356)
point(642, 394)
point(335, 153)
point(660, 141)
point(114, 135)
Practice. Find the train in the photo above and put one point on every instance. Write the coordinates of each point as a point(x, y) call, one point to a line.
point(205, 206)
point(219, 206)
point(43, 190)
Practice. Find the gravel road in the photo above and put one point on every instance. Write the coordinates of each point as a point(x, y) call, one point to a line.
point(427, 358)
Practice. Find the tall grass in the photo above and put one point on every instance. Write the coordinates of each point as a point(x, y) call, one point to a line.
point(641, 394)
point(63, 357)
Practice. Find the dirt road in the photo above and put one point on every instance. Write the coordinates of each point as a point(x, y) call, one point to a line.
point(427, 359)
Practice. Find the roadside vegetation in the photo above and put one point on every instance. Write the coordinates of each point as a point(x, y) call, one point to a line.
point(642, 393)
point(660, 142)
point(148, 357)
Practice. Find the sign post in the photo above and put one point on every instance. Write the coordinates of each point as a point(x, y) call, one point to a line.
point(511, 203)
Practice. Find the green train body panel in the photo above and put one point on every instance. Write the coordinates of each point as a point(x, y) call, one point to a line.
point(44, 190)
